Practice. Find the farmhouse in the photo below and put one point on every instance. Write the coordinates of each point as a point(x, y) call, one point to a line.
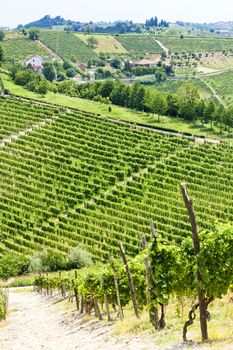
point(35, 62)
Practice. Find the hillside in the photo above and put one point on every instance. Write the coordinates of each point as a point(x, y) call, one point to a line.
point(78, 179)
point(17, 48)
point(67, 45)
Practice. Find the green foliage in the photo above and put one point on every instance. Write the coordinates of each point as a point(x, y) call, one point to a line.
point(78, 258)
point(12, 265)
point(2, 35)
point(34, 34)
point(70, 72)
point(2, 305)
point(92, 41)
point(1, 53)
point(49, 71)
point(47, 261)
point(42, 88)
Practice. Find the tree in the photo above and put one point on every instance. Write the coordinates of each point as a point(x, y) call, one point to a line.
point(23, 77)
point(156, 102)
point(116, 63)
point(1, 53)
point(188, 98)
point(120, 94)
point(210, 110)
point(89, 28)
point(136, 98)
point(92, 41)
point(70, 72)
point(33, 34)
point(42, 88)
point(219, 116)
point(2, 35)
point(172, 105)
point(49, 71)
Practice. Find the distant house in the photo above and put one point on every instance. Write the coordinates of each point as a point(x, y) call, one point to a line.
point(35, 62)
point(81, 66)
point(144, 63)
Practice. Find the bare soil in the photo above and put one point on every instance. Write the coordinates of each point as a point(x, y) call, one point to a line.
point(36, 322)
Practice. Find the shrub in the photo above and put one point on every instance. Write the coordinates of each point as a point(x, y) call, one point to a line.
point(12, 265)
point(78, 258)
point(47, 261)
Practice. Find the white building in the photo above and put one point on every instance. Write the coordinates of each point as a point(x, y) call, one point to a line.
point(35, 62)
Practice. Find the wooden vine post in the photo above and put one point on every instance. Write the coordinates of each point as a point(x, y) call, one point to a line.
point(117, 290)
point(130, 281)
point(153, 311)
point(196, 243)
point(105, 299)
point(75, 283)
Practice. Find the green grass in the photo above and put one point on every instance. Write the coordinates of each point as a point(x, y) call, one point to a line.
point(197, 44)
point(106, 43)
point(140, 44)
point(17, 49)
point(219, 327)
point(67, 45)
point(119, 113)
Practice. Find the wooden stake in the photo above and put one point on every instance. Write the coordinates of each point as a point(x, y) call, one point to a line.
point(76, 290)
point(105, 299)
point(130, 281)
point(196, 243)
point(117, 291)
point(153, 311)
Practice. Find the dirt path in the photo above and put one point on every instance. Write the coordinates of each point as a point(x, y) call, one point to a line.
point(163, 47)
point(35, 323)
point(55, 56)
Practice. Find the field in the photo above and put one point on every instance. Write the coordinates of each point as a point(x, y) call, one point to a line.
point(223, 85)
point(140, 44)
point(17, 49)
point(79, 179)
point(106, 43)
point(67, 45)
point(172, 86)
point(119, 113)
point(197, 44)
point(218, 61)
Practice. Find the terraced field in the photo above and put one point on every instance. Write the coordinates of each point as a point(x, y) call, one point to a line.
point(17, 49)
point(77, 179)
point(196, 44)
point(67, 45)
point(140, 44)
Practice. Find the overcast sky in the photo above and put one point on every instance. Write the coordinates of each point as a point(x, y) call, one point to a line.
point(14, 12)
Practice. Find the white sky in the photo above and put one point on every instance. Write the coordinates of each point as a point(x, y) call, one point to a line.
point(14, 12)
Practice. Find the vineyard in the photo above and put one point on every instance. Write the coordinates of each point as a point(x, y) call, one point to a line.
point(223, 85)
point(70, 178)
point(139, 44)
point(17, 49)
point(197, 44)
point(67, 45)
point(171, 86)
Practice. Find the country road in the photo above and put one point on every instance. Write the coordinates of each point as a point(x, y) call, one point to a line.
point(36, 322)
